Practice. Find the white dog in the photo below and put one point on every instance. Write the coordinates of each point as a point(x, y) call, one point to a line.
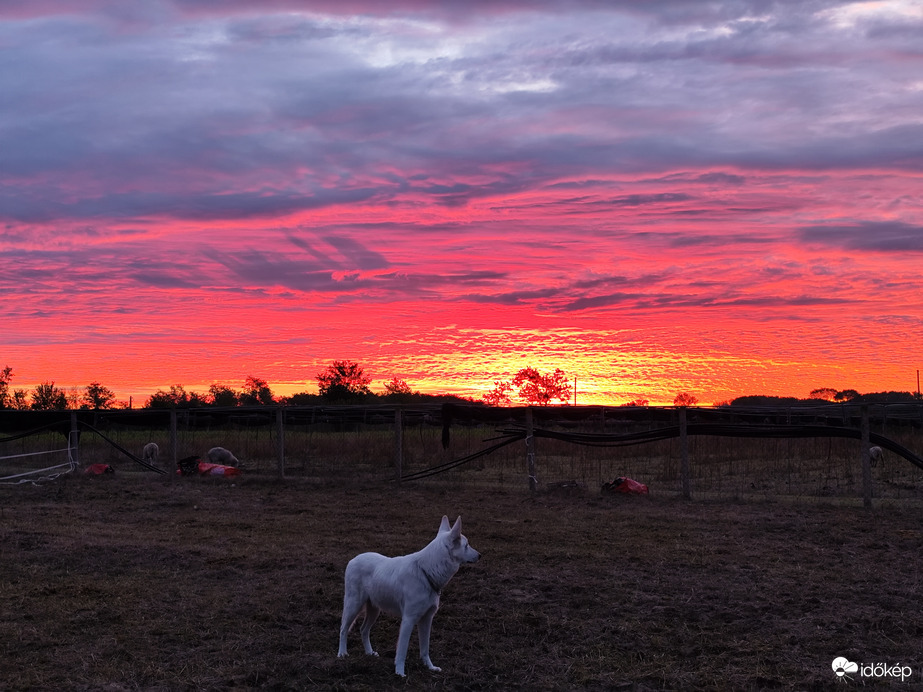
point(408, 586)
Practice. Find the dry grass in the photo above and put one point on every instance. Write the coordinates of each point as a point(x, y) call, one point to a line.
point(129, 582)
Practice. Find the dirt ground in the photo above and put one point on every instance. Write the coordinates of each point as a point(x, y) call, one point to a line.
point(129, 582)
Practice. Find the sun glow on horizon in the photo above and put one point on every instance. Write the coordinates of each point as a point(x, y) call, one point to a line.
point(611, 367)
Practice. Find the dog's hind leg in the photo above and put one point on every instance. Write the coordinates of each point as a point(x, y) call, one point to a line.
point(424, 627)
point(371, 615)
point(351, 611)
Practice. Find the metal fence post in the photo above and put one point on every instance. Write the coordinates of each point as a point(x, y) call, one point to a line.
point(280, 441)
point(398, 444)
point(73, 440)
point(684, 453)
point(530, 450)
point(174, 446)
point(866, 459)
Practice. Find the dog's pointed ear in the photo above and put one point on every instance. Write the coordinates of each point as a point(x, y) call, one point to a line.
point(444, 526)
point(456, 528)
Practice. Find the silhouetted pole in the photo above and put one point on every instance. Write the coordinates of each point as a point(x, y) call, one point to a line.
point(530, 450)
point(280, 442)
point(866, 459)
point(398, 444)
point(73, 439)
point(684, 453)
point(174, 446)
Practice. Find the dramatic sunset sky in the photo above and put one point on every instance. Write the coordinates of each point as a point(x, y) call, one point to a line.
point(723, 198)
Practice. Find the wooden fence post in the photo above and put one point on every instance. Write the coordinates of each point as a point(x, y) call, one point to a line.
point(73, 440)
point(866, 459)
point(530, 450)
point(280, 442)
point(174, 447)
point(684, 453)
point(398, 444)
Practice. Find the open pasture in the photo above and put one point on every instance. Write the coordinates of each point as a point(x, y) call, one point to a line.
point(133, 582)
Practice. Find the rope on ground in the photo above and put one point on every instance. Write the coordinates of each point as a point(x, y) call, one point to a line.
point(25, 476)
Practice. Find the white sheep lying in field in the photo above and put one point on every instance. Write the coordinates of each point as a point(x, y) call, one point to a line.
point(219, 455)
point(875, 455)
point(150, 453)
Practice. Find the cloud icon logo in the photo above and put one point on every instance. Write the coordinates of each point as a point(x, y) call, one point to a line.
point(841, 666)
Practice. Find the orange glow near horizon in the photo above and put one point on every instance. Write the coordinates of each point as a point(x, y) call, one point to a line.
point(612, 368)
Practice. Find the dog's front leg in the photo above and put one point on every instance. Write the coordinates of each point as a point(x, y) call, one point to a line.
point(403, 643)
point(424, 628)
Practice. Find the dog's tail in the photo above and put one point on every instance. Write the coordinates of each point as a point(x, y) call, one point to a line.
point(360, 614)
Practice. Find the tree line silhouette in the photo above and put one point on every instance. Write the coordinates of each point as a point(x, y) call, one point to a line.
point(342, 382)
point(345, 382)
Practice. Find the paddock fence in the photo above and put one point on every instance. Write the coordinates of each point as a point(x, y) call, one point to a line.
point(697, 452)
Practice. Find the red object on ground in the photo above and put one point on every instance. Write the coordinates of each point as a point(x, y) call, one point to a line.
point(98, 469)
point(207, 469)
point(625, 485)
point(192, 465)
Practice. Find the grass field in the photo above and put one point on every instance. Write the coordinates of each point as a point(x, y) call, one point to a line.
point(131, 582)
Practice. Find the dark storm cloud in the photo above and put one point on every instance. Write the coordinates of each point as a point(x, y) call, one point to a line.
point(876, 236)
point(728, 241)
point(361, 256)
point(720, 178)
point(663, 11)
point(214, 110)
point(335, 263)
point(258, 268)
point(513, 297)
point(602, 301)
point(672, 301)
point(164, 280)
point(560, 297)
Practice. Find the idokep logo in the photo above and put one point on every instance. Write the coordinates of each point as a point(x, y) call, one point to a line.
point(843, 666)
point(844, 669)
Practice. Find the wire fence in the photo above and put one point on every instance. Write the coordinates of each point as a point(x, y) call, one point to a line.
point(730, 452)
point(39, 456)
